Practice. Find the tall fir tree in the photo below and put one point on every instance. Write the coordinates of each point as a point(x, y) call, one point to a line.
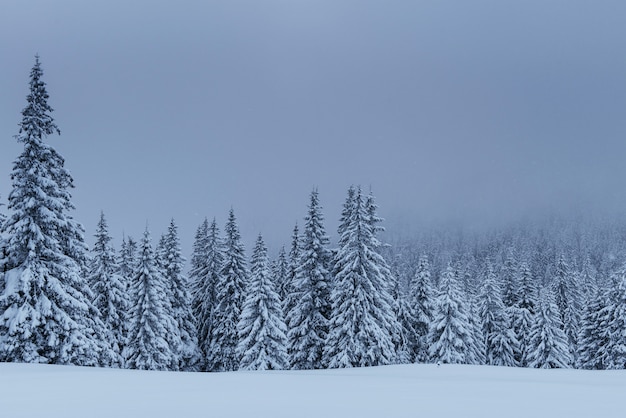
point(281, 273)
point(363, 321)
point(402, 337)
point(346, 214)
point(524, 312)
point(477, 352)
point(509, 279)
point(290, 299)
point(308, 318)
point(222, 354)
point(46, 312)
point(184, 343)
point(3, 248)
point(421, 296)
point(3, 216)
point(595, 333)
point(127, 260)
point(110, 293)
point(549, 346)
point(151, 323)
point(450, 331)
point(261, 328)
point(406, 341)
point(612, 322)
point(207, 263)
point(567, 297)
point(499, 337)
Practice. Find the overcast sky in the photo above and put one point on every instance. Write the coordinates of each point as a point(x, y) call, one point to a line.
point(449, 110)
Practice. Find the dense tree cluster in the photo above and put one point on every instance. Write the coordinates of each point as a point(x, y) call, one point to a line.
point(543, 296)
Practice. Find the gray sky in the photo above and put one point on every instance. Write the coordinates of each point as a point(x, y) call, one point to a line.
point(449, 110)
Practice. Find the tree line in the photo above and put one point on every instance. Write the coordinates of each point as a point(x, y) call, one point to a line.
point(528, 297)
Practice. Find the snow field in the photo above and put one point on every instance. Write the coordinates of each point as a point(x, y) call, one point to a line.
point(29, 390)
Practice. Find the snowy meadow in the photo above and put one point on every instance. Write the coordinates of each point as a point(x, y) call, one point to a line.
point(387, 391)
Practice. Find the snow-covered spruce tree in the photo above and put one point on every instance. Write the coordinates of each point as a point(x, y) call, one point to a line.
point(127, 260)
point(346, 214)
point(399, 333)
point(500, 341)
point(185, 342)
point(477, 353)
point(159, 255)
point(525, 310)
point(281, 273)
point(406, 342)
point(2, 217)
point(110, 293)
point(612, 322)
point(206, 265)
point(308, 319)
point(362, 314)
point(3, 249)
point(199, 254)
point(290, 299)
point(595, 334)
point(261, 328)
point(549, 348)
point(450, 331)
point(567, 296)
point(509, 276)
point(46, 315)
point(421, 296)
point(151, 323)
point(198, 277)
point(222, 353)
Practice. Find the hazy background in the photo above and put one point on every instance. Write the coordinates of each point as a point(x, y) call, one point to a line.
point(466, 111)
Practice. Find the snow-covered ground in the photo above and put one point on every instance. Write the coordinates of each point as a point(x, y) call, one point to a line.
point(393, 391)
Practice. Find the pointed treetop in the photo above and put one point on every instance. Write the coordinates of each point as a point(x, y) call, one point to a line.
point(37, 121)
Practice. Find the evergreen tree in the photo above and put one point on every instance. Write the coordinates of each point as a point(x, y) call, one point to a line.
point(362, 324)
point(450, 331)
point(568, 298)
point(500, 341)
point(222, 354)
point(407, 341)
point(199, 255)
point(151, 323)
point(127, 260)
point(184, 343)
point(160, 256)
point(549, 347)
point(2, 218)
point(281, 273)
point(3, 249)
point(402, 337)
point(510, 285)
point(595, 333)
point(525, 310)
point(477, 353)
point(261, 328)
point(612, 322)
point(290, 299)
point(308, 318)
point(207, 263)
point(111, 297)
point(46, 311)
point(346, 215)
point(421, 301)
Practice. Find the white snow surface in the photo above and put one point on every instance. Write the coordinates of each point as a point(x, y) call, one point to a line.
point(32, 390)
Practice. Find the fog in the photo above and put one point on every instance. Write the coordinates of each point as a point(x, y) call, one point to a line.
point(478, 112)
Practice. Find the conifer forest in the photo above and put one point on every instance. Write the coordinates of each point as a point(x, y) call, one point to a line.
point(549, 294)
